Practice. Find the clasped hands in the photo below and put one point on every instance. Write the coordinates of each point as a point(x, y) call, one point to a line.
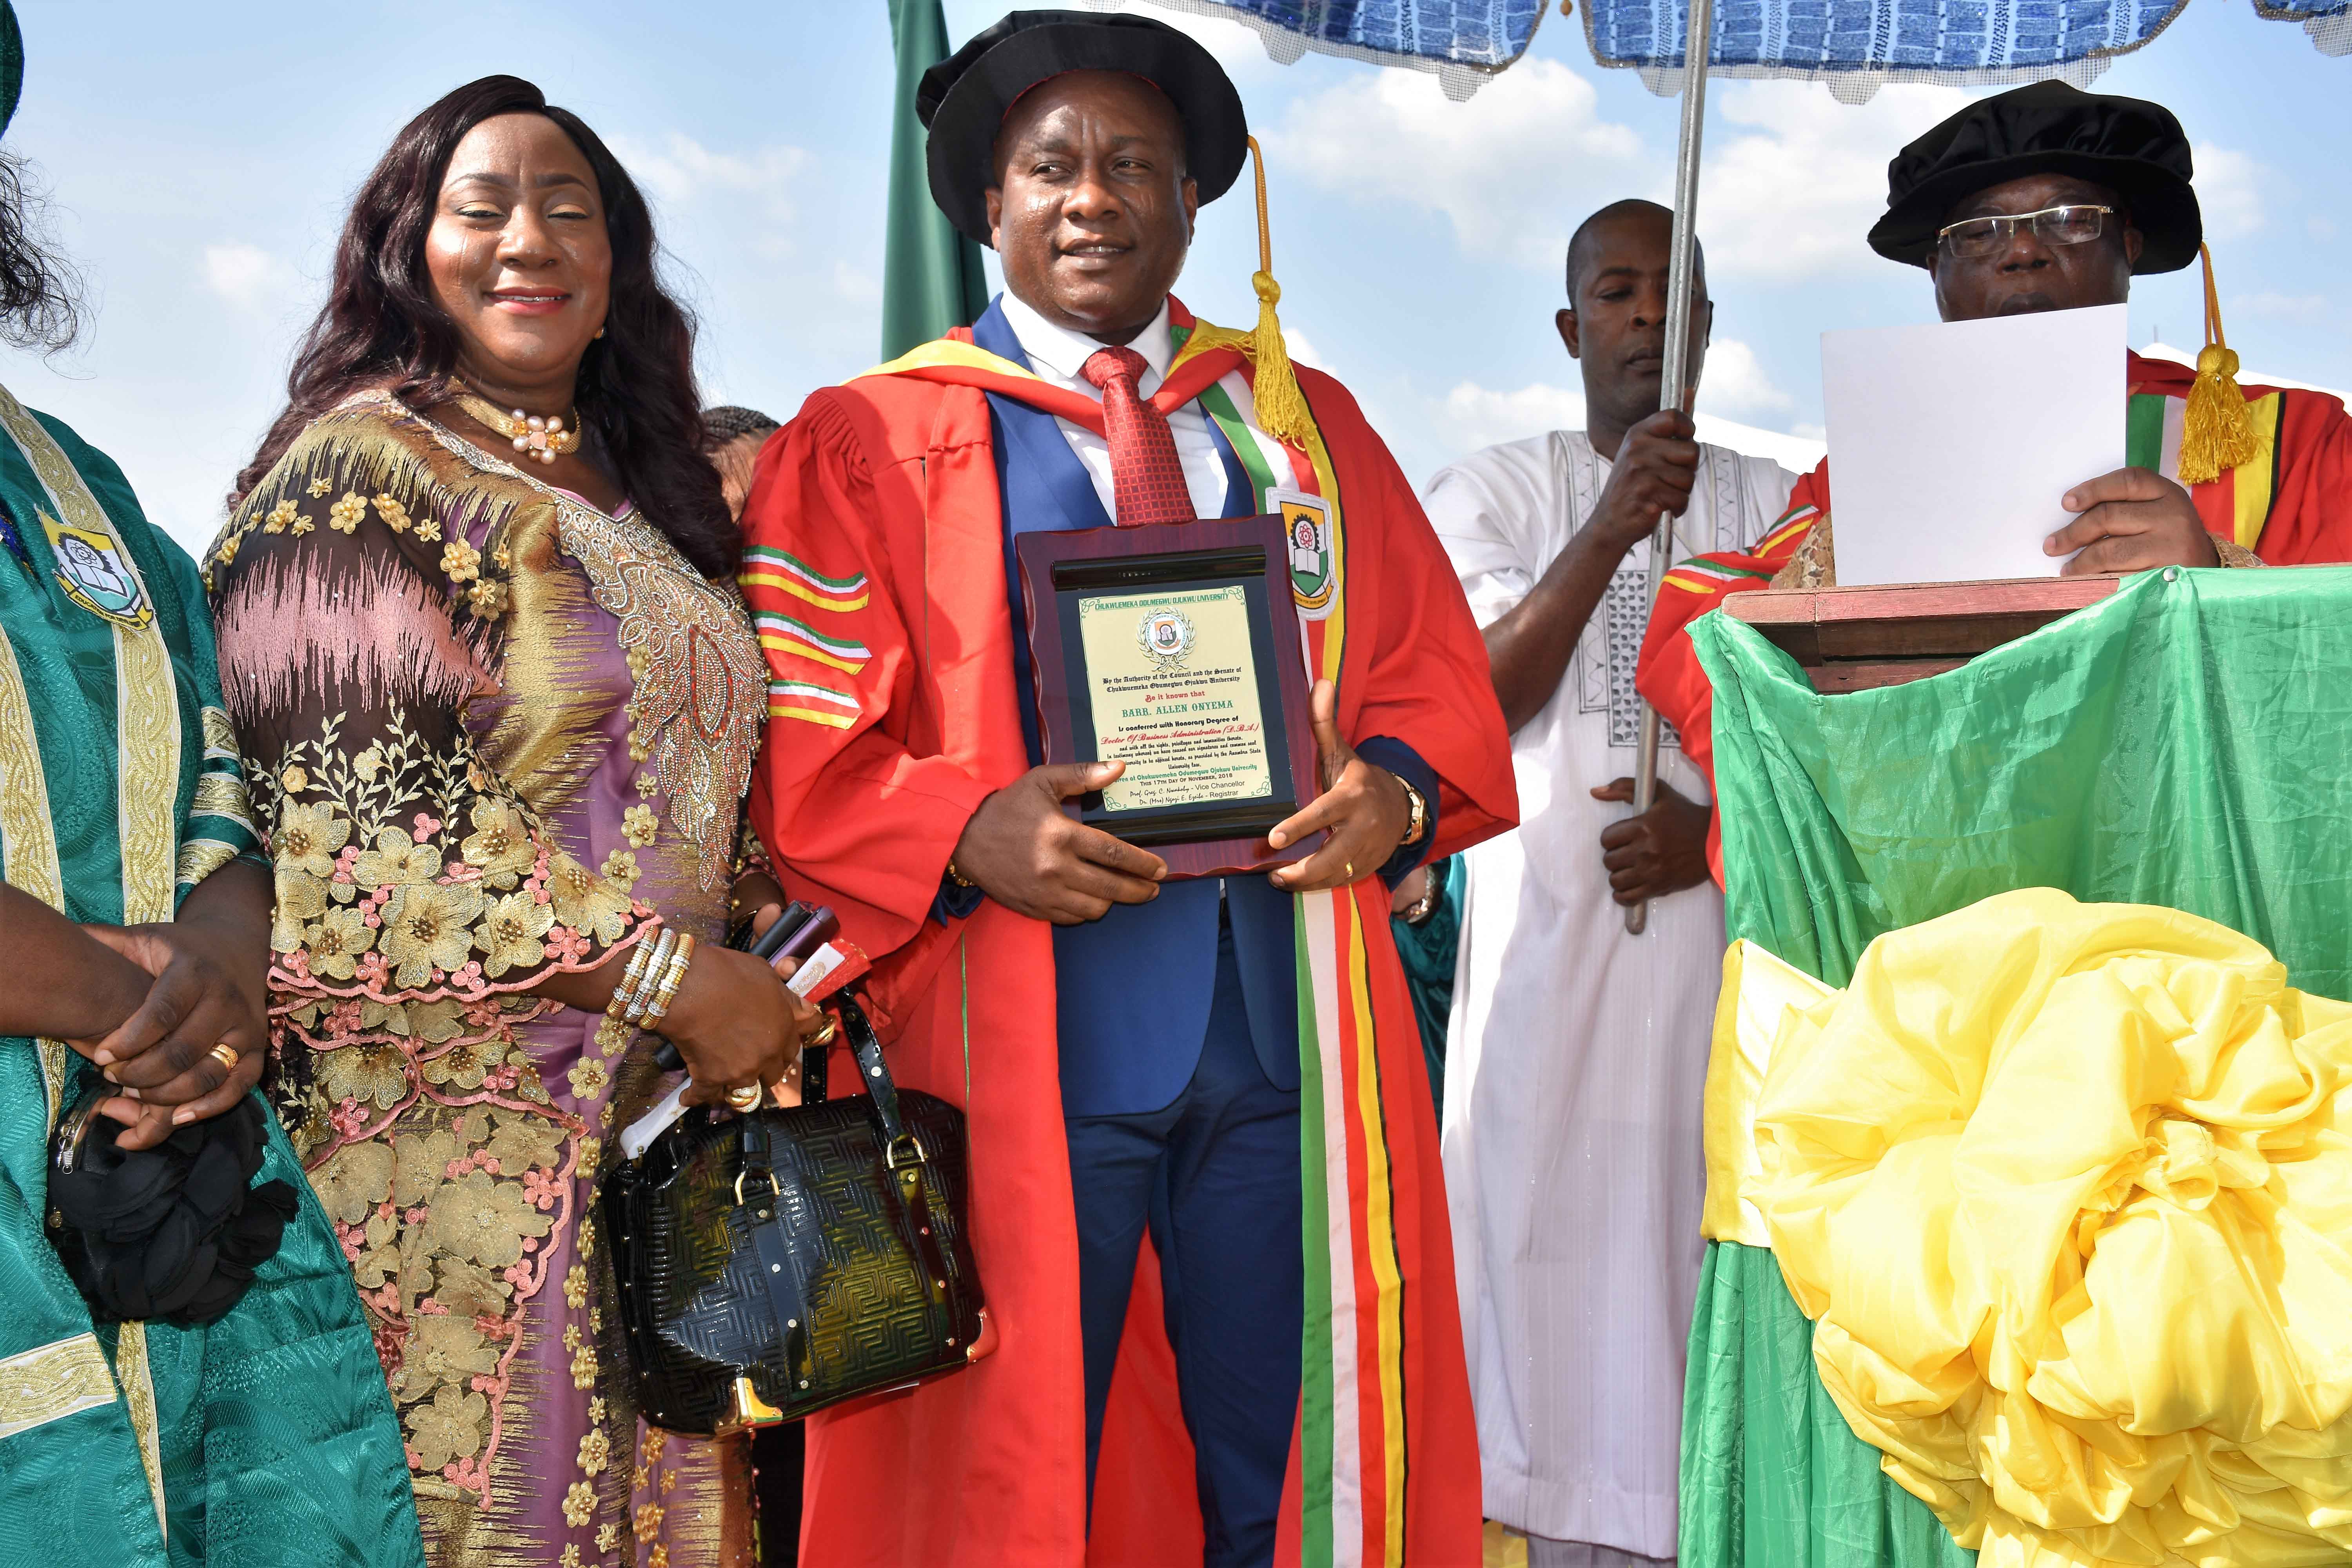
point(196, 1042)
point(1023, 850)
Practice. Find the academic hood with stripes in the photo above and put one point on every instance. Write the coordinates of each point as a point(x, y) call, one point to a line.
point(2289, 502)
point(876, 575)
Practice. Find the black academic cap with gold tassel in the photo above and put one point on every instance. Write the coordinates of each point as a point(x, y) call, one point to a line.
point(1282, 411)
point(2217, 428)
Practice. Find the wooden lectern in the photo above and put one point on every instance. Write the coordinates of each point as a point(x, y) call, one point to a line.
point(1854, 639)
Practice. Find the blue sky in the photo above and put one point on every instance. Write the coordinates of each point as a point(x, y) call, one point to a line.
point(201, 159)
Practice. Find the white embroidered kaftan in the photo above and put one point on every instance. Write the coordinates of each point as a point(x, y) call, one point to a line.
point(1575, 1052)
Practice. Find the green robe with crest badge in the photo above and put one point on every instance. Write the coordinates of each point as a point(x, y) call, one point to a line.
point(265, 1438)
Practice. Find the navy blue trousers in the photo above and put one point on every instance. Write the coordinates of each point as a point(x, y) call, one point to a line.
point(1215, 1173)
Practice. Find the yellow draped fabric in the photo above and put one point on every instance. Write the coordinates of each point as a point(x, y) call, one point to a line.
point(2066, 1190)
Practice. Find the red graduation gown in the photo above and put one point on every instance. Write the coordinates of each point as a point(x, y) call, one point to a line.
point(875, 572)
point(2291, 505)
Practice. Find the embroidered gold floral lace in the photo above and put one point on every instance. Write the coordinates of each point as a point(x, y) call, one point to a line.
point(408, 633)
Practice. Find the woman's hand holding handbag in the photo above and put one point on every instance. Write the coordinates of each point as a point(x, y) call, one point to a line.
point(772, 1263)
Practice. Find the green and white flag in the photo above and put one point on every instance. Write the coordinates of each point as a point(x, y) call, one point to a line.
point(931, 277)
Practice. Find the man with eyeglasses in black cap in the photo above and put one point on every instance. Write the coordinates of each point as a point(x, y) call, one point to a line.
point(2049, 198)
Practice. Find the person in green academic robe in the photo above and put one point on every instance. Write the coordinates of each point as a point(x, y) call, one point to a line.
point(134, 928)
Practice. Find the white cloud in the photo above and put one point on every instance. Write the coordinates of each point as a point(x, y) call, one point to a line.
point(1793, 179)
point(2228, 190)
point(1303, 350)
point(1473, 415)
point(1792, 183)
point(1736, 388)
point(751, 196)
point(1514, 169)
point(855, 286)
point(1736, 385)
point(1234, 44)
point(248, 277)
point(2289, 306)
point(684, 171)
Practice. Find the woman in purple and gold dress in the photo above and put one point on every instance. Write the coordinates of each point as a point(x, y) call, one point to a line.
point(500, 698)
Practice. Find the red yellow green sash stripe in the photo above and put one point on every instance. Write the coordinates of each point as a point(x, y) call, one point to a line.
point(2152, 440)
point(784, 633)
point(766, 567)
point(1784, 534)
point(818, 704)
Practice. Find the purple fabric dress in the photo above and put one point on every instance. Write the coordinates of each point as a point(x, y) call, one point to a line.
point(497, 731)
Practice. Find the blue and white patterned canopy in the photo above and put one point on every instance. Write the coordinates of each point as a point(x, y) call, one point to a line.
point(1964, 42)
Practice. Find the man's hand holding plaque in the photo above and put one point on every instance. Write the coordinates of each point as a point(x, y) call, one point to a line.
point(1024, 851)
point(1362, 806)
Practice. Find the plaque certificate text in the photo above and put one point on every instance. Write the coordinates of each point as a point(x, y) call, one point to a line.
point(1173, 684)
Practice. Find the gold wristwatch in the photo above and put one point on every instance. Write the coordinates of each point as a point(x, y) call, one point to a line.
point(1417, 826)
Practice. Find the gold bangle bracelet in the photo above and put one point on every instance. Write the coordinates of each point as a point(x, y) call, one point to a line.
point(672, 978)
point(617, 1009)
point(663, 947)
point(664, 944)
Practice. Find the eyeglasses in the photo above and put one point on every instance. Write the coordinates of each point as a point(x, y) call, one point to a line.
point(1973, 239)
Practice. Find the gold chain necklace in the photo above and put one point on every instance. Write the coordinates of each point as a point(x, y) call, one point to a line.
point(533, 436)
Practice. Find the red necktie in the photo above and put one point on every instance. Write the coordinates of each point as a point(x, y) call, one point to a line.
point(1147, 483)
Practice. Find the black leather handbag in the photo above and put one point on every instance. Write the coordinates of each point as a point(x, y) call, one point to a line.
point(772, 1264)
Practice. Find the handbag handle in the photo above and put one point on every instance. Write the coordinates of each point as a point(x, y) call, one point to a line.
point(867, 1049)
point(903, 1154)
point(900, 1145)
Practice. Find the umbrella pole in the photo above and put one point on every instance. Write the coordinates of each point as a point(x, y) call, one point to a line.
point(1680, 275)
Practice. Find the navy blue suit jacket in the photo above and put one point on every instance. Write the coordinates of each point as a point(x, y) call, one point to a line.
point(1134, 987)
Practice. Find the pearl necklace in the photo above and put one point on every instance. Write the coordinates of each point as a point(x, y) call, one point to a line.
point(533, 436)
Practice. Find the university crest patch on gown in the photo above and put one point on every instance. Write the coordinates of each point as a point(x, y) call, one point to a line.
point(96, 574)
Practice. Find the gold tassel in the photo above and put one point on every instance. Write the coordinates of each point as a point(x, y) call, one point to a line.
point(1282, 411)
point(2217, 428)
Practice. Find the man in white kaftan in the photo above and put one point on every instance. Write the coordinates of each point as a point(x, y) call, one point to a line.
point(1575, 1052)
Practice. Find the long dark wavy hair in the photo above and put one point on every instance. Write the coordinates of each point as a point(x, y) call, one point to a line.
point(382, 326)
point(41, 292)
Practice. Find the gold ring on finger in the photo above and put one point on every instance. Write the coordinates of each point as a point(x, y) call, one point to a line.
point(225, 1054)
point(824, 1036)
point(746, 1098)
point(1349, 867)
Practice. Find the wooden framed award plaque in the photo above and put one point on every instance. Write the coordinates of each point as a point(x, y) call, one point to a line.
point(1175, 649)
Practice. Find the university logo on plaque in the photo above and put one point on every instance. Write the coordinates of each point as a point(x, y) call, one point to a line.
point(1167, 637)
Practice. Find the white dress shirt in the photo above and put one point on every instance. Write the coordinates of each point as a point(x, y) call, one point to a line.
point(1059, 355)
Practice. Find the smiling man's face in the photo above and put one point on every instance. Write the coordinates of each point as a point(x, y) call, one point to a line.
point(1092, 211)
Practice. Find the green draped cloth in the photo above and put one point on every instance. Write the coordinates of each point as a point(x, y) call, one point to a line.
point(2184, 743)
point(265, 1438)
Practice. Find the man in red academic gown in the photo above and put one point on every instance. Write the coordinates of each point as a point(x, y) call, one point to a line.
point(1213, 1086)
point(2049, 198)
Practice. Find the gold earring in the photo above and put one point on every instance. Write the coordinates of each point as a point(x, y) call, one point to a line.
point(599, 332)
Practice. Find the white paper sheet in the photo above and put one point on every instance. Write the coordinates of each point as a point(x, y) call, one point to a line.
point(1952, 444)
